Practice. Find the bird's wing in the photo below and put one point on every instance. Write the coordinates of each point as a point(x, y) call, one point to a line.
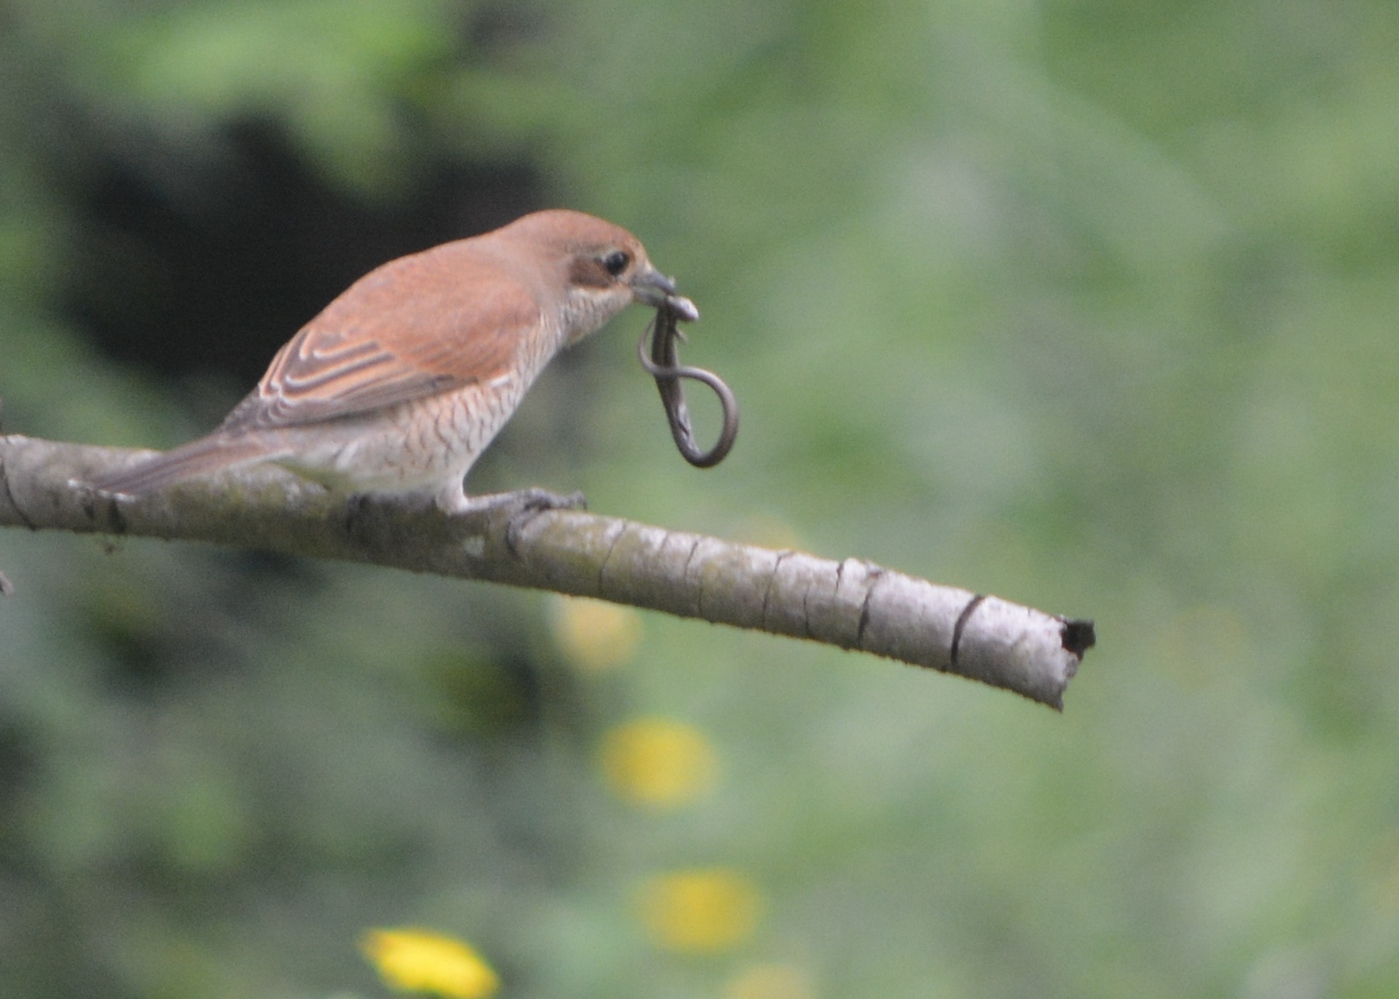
point(415, 327)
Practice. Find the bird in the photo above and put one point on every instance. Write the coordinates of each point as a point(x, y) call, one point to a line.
point(398, 385)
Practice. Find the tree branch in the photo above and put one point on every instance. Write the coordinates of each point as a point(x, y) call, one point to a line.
point(853, 604)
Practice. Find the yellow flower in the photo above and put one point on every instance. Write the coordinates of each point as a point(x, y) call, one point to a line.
point(770, 981)
point(658, 763)
point(700, 911)
point(596, 636)
point(413, 960)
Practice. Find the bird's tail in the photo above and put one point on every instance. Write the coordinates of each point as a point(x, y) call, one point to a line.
point(208, 454)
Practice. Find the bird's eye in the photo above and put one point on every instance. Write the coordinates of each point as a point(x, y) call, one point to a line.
point(616, 262)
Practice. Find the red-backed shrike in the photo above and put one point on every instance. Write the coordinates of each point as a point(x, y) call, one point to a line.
point(402, 381)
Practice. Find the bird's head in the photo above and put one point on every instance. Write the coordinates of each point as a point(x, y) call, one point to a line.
point(599, 267)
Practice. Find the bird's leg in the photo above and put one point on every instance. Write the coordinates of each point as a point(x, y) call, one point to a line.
point(524, 505)
point(532, 500)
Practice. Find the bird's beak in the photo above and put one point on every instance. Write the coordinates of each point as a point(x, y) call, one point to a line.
point(651, 287)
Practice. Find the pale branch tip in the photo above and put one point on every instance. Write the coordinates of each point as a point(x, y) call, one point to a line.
point(852, 604)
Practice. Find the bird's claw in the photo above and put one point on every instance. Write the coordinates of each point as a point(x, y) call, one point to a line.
point(524, 505)
point(532, 502)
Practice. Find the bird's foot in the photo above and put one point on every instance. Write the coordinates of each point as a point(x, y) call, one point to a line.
point(532, 500)
point(524, 505)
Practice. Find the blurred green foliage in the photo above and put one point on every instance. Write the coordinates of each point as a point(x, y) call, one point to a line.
point(1088, 304)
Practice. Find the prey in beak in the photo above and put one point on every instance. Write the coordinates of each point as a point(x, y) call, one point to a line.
point(653, 288)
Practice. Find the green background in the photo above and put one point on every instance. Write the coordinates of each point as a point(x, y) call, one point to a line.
point(1088, 304)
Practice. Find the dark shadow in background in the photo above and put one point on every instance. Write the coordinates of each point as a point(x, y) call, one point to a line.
point(191, 268)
